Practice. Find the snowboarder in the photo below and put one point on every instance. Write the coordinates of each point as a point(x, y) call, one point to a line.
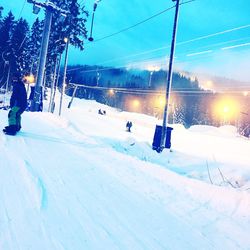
point(128, 126)
point(18, 104)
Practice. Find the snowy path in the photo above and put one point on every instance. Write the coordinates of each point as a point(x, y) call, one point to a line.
point(61, 189)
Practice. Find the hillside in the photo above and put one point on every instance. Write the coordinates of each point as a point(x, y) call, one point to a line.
point(81, 181)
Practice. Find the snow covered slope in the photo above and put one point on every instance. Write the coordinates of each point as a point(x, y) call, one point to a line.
point(81, 181)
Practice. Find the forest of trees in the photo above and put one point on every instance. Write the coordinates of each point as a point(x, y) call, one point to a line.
point(20, 44)
point(190, 104)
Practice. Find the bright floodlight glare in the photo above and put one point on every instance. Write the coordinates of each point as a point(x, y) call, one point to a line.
point(226, 109)
point(136, 103)
point(111, 92)
point(245, 93)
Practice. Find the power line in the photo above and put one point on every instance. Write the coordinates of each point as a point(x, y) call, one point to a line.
point(180, 43)
point(158, 92)
point(24, 2)
point(214, 34)
point(160, 61)
point(132, 26)
point(139, 23)
point(24, 39)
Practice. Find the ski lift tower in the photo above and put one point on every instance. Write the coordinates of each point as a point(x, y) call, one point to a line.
point(49, 8)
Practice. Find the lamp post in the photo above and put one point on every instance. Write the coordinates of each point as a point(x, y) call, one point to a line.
point(169, 79)
point(66, 40)
point(91, 39)
point(98, 76)
point(150, 79)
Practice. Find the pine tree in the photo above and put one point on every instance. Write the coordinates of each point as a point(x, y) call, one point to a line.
point(1, 9)
point(179, 114)
point(19, 46)
point(71, 27)
point(6, 29)
point(74, 24)
point(34, 45)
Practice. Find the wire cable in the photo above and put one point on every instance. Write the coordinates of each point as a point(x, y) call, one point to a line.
point(136, 91)
point(180, 43)
point(139, 23)
point(132, 26)
point(24, 3)
point(160, 61)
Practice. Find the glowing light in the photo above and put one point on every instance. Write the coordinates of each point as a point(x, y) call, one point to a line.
point(65, 39)
point(111, 92)
point(245, 93)
point(226, 109)
point(209, 84)
point(136, 103)
point(193, 78)
point(30, 78)
point(160, 102)
point(153, 68)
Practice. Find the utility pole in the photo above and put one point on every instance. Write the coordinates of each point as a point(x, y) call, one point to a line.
point(64, 74)
point(56, 84)
point(72, 97)
point(150, 79)
point(49, 9)
point(53, 85)
point(169, 79)
point(97, 78)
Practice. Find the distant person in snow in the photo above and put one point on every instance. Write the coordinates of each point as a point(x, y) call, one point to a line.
point(101, 112)
point(128, 126)
point(18, 104)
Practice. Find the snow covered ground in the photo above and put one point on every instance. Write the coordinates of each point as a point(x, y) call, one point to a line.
point(80, 181)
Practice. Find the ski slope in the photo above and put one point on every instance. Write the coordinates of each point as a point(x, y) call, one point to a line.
point(80, 181)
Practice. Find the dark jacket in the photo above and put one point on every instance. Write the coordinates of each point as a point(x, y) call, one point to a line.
point(19, 96)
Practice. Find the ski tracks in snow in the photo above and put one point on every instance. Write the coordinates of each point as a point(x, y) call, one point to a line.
point(79, 197)
point(32, 182)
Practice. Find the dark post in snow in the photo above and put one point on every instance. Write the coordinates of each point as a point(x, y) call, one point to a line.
point(72, 97)
point(169, 79)
point(67, 40)
point(49, 8)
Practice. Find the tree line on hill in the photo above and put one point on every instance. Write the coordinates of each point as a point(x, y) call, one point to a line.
point(189, 105)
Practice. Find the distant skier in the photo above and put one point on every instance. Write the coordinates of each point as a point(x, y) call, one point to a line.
point(18, 104)
point(128, 126)
point(101, 112)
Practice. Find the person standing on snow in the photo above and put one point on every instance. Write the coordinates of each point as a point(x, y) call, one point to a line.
point(128, 126)
point(18, 104)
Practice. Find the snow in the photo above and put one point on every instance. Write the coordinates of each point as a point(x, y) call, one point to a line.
point(80, 181)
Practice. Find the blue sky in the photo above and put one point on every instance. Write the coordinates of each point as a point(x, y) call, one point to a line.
point(147, 45)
